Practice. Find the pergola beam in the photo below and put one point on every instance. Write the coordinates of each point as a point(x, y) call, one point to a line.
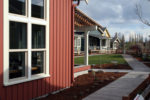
point(83, 19)
point(86, 28)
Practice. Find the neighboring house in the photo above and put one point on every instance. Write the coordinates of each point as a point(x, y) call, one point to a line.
point(94, 40)
point(105, 40)
point(115, 42)
point(98, 39)
point(36, 47)
point(77, 43)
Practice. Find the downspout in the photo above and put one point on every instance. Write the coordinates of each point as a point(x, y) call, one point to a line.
point(72, 42)
point(72, 50)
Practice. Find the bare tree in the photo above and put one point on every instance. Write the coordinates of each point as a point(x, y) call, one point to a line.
point(139, 13)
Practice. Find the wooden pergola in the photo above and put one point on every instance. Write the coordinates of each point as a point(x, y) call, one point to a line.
point(82, 19)
point(84, 23)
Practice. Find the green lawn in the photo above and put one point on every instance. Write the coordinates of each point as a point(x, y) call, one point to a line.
point(101, 59)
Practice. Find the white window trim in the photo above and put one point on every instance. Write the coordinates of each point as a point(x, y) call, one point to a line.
point(11, 17)
point(78, 42)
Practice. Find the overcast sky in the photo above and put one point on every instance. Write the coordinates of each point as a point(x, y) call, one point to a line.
point(118, 15)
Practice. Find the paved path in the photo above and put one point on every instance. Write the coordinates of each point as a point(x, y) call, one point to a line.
point(113, 70)
point(135, 64)
point(124, 85)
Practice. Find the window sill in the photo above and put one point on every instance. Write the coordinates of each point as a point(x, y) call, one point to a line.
point(36, 77)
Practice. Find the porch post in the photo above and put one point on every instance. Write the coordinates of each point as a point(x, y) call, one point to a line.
point(86, 46)
point(100, 44)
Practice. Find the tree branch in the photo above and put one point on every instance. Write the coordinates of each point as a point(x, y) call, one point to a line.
point(139, 14)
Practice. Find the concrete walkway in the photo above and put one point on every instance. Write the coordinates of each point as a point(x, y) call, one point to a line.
point(124, 85)
point(135, 64)
point(113, 70)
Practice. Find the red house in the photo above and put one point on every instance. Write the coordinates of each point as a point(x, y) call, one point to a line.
point(36, 47)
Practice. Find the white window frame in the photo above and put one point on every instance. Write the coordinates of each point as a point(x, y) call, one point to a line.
point(29, 20)
point(78, 42)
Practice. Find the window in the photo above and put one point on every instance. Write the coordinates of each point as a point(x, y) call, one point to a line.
point(38, 8)
point(79, 42)
point(37, 62)
point(17, 35)
point(16, 64)
point(17, 6)
point(38, 36)
point(26, 40)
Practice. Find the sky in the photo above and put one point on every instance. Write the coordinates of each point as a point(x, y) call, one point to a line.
point(119, 15)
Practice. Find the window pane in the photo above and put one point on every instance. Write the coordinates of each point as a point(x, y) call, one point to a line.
point(38, 8)
point(37, 62)
point(38, 36)
point(17, 6)
point(16, 65)
point(78, 42)
point(18, 35)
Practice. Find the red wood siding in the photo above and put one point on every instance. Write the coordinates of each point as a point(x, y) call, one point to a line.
point(79, 69)
point(61, 34)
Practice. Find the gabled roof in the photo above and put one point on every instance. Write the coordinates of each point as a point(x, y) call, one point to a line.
point(96, 33)
point(115, 38)
point(103, 28)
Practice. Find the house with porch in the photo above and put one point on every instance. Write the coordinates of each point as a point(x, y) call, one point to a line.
point(98, 40)
point(115, 42)
point(105, 39)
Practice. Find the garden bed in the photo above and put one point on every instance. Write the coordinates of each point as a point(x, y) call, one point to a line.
point(112, 66)
point(147, 64)
point(84, 85)
point(139, 58)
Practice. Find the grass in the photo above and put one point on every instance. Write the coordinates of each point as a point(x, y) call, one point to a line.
point(101, 59)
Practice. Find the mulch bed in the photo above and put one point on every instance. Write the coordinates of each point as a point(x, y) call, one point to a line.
point(112, 66)
point(148, 64)
point(84, 85)
point(139, 58)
